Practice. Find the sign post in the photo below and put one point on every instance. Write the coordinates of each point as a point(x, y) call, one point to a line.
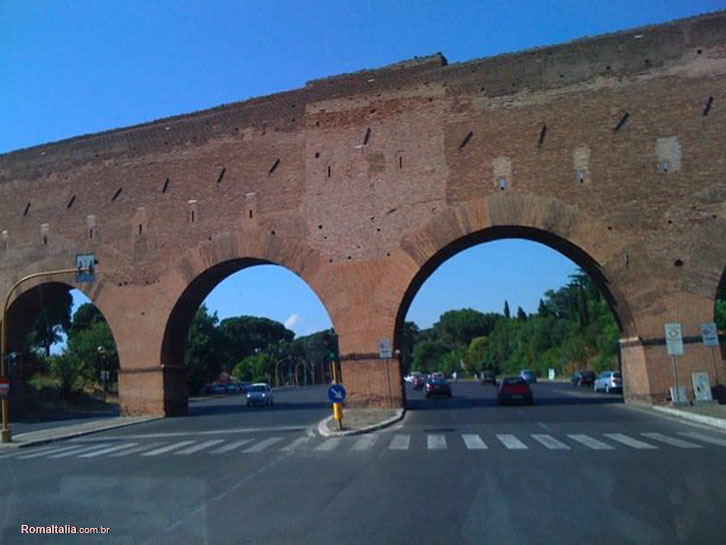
point(709, 333)
point(674, 345)
point(385, 352)
point(336, 394)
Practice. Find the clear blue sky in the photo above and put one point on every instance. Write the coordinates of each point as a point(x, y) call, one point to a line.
point(72, 68)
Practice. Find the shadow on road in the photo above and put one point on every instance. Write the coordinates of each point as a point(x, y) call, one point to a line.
point(207, 410)
point(470, 402)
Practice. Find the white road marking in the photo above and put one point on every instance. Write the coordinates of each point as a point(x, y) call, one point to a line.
point(200, 446)
point(629, 441)
point(328, 445)
point(27, 450)
point(135, 450)
point(511, 442)
point(167, 448)
point(705, 438)
point(297, 443)
point(262, 445)
point(435, 442)
point(590, 442)
point(365, 442)
point(549, 442)
point(107, 450)
point(85, 448)
point(208, 432)
point(473, 441)
point(230, 446)
point(670, 440)
point(400, 442)
point(37, 454)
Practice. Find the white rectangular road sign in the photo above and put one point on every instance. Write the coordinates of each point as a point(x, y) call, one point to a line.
point(701, 386)
point(674, 339)
point(385, 349)
point(709, 332)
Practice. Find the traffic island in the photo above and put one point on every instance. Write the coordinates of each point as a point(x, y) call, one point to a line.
point(360, 420)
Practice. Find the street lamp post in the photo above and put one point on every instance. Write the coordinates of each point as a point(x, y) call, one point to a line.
point(5, 434)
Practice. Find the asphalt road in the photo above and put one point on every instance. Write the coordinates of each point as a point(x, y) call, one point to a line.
point(574, 468)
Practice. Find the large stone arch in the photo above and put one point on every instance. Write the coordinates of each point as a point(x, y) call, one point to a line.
point(564, 229)
point(190, 280)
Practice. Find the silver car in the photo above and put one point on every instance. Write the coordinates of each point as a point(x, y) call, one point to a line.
point(259, 393)
point(609, 381)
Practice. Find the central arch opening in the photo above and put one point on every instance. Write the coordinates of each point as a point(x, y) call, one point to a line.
point(572, 325)
point(243, 322)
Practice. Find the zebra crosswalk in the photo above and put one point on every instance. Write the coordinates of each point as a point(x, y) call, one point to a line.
point(383, 442)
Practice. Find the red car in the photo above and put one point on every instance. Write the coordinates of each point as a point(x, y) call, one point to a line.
point(514, 389)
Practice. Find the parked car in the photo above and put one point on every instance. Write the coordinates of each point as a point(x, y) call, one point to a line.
point(528, 376)
point(437, 386)
point(419, 382)
point(609, 381)
point(583, 378)
point(514, 389)
point(216, 389)
point(411, 377)
point(259, 393)
point(487, 377)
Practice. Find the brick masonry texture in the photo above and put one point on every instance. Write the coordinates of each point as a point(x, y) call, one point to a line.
point(362, 184)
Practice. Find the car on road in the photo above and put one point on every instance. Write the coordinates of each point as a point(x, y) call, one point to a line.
point(260, 393)
point(487, 377)
point(583, 378)
point(418, 382)
point(514, 390)
point(437, 386)
point(411, 377)
point(608, 381)
point(528, 376)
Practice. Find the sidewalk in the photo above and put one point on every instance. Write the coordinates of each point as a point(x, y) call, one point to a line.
point(710, 414)
point(356, 421)
point(75, 430)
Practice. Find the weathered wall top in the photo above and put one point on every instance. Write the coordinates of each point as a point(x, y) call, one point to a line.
point(636, 51)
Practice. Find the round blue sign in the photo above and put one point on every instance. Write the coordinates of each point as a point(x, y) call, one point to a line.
point(336, 393)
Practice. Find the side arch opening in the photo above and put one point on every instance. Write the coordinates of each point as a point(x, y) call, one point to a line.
point(240, 322)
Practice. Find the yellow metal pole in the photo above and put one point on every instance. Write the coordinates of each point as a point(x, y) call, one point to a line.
point(6, 436)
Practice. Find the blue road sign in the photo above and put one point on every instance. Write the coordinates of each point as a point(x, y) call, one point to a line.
point(85, 261)
point(336, 393)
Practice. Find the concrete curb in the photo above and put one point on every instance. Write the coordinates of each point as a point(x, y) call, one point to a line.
point(71, 432)
point(325, 432)
point(700, 418)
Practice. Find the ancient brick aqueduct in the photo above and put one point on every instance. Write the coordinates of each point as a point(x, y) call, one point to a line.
point(609, 150)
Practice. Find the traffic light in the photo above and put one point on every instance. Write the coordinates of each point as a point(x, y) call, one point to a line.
point(331, 344)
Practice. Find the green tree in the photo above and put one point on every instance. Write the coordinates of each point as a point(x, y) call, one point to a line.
point(409, 335)
point(203, 355)
point(50, 323)
point(506, 309)
point(258, 367)
point(474, 356)
point(243, 336)
point(456, 328)
point(90, 349)
point(521, 315)
point(428, 355)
